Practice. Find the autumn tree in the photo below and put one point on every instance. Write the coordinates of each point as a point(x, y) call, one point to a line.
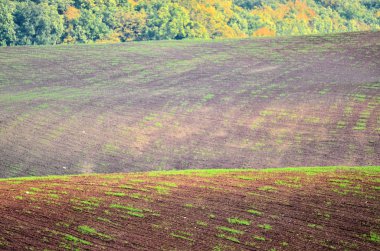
point(85, 21)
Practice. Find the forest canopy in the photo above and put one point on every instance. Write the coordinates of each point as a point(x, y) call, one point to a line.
point(37, 22)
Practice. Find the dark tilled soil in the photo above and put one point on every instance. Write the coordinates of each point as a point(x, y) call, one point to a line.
point(335, 210)
point(259, 103)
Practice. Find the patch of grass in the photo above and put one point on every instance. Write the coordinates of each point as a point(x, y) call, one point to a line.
point(127, 187)
point(230, 238)
point(284, 244)
point(63, 224)
point(162, 189)
point(189, 205)
point(208, 97)
point(259, 238)
point(130, 187)
point(113, 176)
point(312, 225)
point(375, 237)
point(104, 219)
point(134, 214)
point(131, 211)
point(158, 124)
point(265, 226)
point(110, 148)
point(84, 229)
point(267, 188)
point(117, 194)
point(266, 113)
point(42, 106)
point(287, 184)
point(202, 223)
point(230, 230)
point(182, 235)
point(35, 189)
point(76, 240)
point(93, 202)
point(135, 195)
point(3, 243)
point(168, 184)
point(312, 120)
point(46, 93)
point(341, 124)
point(255, 212)
point(12, 182)
point(54, 196)
point(85, 204)
point(324, 91)
point(340, 180)
point(360, 125)
point(359, 97)
point(243, 177)
point(239, 221)
point(137, 181)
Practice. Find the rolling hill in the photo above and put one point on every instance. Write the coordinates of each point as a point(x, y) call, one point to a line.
point(273, 102)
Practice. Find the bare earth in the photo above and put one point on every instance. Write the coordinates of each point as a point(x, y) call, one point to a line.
point(190, 104)
point(307, 209)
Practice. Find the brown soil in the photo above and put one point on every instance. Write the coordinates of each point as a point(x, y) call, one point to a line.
point(278, 102)
point(335, 210)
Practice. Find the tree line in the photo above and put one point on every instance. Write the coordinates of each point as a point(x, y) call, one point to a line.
point(37, 22)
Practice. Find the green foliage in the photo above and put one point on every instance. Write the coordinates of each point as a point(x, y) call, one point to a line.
point(26, 22)
point(7, 25)
point(166, 20)
point(88, 27)
point(37, 23)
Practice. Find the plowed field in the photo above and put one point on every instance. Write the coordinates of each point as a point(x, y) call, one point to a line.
point(334, 208)
point(253, 103)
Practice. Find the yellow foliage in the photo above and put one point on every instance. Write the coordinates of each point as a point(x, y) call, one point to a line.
point(133, 2)
point(214, 14)
point(72, 13)
point(285, 13)
point(264, 32)
point(112, 38)
point(304, 12)
point(69, 40)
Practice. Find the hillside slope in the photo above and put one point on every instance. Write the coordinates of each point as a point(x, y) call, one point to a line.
point(292, 101)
